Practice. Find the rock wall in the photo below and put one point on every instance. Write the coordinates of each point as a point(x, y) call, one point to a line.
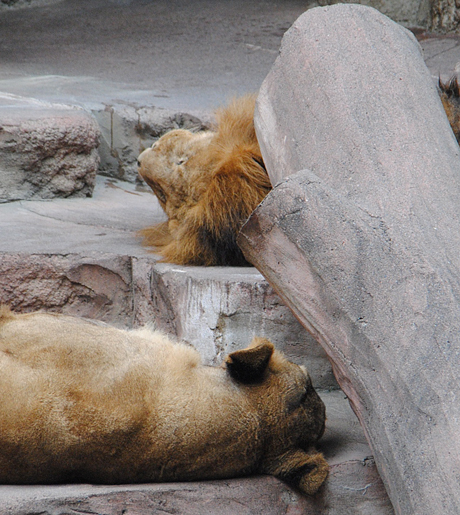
point(410, 13)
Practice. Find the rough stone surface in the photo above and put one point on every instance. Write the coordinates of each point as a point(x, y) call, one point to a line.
point(214, 310)
point(411, 13)
point(365, 247)
point(445, 16)
point(226, 307)
point(96, 268)
point(98, 287)
point(46, 150)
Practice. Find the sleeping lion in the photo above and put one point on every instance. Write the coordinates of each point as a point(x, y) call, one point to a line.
point(83, 401)
point(208, 183)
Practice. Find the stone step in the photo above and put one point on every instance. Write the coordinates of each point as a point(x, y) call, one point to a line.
point(82, 257)
point(46, 150)
point(353, 487)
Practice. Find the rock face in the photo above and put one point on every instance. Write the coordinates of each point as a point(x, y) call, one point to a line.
point(411, 13)
point(216, 311)
point(444, 16)
point(364, 246)
point(46, 150)
point(82, 263)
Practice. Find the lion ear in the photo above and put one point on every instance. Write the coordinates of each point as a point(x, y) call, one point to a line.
point(249, 365)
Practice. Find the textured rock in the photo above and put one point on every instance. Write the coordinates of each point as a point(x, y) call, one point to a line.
point(82, 257)
point(98, 287)
point(219, 310)
point(46, 150)
point(365, 248)
point(411, 13)
point(445, 16)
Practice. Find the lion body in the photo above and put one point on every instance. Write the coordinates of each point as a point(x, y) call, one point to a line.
point(81, 401)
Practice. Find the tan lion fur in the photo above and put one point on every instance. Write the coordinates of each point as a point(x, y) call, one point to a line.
point(450, 97)
point(82, 401)
point(208, 183)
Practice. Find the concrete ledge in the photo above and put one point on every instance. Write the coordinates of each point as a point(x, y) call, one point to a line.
point(82, 257)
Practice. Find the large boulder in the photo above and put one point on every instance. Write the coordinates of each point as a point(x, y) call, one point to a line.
point(46, 150)
point(361, 237)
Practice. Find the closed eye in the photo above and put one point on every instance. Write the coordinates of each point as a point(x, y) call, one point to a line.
point(298, 401)
point(161, 196)
point(308, 387)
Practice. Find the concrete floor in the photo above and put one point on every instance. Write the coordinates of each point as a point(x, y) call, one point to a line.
point(175, 54)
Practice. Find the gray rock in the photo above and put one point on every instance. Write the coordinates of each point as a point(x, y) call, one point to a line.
point(220, 309)
point(46, 150)
point(410, 13)
point(365, 247)
point(82, 257)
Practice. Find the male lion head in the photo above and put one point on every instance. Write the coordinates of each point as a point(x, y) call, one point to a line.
point(208, 183)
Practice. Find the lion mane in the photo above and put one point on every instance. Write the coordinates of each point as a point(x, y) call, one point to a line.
point(450, 98)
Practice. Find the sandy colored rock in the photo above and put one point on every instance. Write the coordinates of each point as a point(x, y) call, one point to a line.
point(364, 247)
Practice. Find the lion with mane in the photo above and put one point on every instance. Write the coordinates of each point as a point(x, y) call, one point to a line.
point(208, 183)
